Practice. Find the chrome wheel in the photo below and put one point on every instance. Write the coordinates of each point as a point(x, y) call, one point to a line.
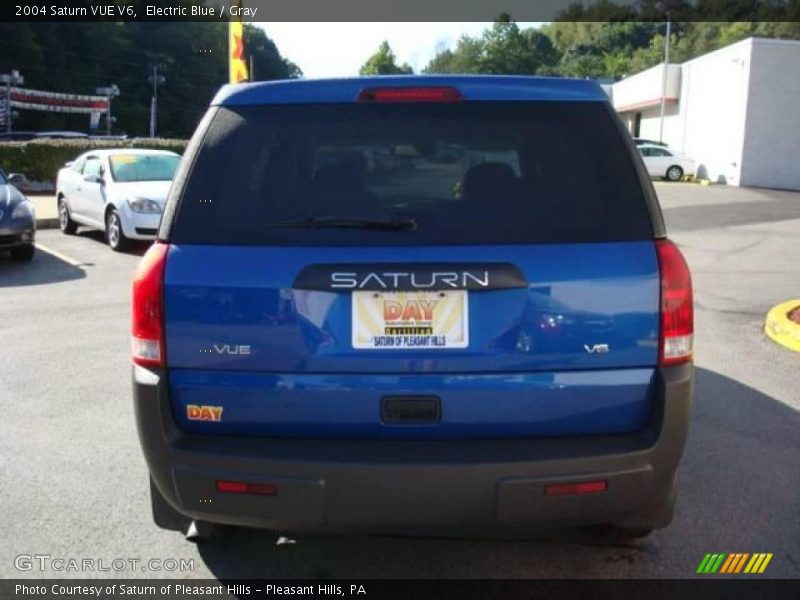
point(113, 230)
point(63, 217)
point(115, 234)
point(65, 222)
point(674, 173)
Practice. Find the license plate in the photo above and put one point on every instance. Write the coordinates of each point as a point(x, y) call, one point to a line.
point(410, 320)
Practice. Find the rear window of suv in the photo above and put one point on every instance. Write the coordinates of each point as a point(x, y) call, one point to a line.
point(462, 173)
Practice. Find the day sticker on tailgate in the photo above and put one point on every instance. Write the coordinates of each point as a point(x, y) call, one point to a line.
point(410, 320)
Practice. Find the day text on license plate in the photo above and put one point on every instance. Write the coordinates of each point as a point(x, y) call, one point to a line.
point(410, 320)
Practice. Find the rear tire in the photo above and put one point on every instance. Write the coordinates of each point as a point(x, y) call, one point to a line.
point(114, 235)
point(23, 252)
point(164, 515)
point(65, 222)
point(674, 173)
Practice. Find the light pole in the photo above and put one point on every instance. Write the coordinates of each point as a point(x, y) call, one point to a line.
point(664, 82)
point(10, 79)
point(155, 79)
point(111, 91)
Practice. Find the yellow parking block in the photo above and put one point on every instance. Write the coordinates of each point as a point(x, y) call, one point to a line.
point(780, 328)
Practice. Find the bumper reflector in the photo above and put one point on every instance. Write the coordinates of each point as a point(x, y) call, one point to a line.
point(242, 487)
point(576, 489)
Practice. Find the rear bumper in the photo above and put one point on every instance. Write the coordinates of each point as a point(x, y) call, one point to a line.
point(412, 486)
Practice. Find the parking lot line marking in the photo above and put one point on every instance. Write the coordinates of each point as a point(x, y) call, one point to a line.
point(58, 255)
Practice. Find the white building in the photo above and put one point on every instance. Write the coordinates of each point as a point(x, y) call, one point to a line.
point(736, 111)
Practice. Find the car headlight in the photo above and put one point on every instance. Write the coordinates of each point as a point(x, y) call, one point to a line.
point(22, 210)
point(144, 205)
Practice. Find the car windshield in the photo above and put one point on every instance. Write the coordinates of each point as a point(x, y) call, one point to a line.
point(3, 178)
point(143, 167)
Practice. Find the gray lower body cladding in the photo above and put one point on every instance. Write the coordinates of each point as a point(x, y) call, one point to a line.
point(419, 487)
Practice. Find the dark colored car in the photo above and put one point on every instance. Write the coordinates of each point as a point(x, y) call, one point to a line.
point(17, 136)
point(17, 221)
point(26, 136)
point(413, 305)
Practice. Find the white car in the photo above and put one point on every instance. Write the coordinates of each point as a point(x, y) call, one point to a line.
point(664, 162)
point(121, 192)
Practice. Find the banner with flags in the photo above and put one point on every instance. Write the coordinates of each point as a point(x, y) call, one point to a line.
point(29, 99)
point(57, 102)
point(237, 66)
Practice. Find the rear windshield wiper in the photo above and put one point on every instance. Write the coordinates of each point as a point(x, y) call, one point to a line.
point(334, 222)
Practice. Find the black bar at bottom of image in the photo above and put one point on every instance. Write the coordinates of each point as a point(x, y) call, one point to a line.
point(463, 589)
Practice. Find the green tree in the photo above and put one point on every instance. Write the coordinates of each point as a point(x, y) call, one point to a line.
point(464, 59)
point(543, 51)
point(267, 60)
point(502, 49)
point(582, 60)
point(610, 41)
point(384, 62)
point(79, 57)
point(507, 50)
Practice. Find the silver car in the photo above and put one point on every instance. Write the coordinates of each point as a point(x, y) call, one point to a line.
point(121, 192)
point(664, 162)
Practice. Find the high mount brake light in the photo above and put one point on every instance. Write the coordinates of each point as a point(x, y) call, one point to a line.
point(147, 326)
point(677, 310)
point(410, 94)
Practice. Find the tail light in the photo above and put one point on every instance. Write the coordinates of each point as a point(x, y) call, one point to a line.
point(576, 489)
point(410, 94)
point(242, 487)
point(677, 310)
point(147, 326)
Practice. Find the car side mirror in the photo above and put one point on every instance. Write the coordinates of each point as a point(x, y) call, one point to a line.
point(17, 179)
point(94, 179)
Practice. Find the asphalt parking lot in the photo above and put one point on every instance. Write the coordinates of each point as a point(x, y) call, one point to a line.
point(74, 483)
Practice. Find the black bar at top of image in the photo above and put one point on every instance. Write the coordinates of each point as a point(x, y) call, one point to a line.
point(400, 10)
point(742, 588)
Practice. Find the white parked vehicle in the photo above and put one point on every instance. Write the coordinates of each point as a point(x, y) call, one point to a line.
point(121, 192)
point(664, 162)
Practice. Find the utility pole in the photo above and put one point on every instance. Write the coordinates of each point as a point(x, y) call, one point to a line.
point(155, 78)
point(10, 79)
point(111, 91)
point(664, 82)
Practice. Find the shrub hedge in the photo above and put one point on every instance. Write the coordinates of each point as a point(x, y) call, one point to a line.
point(40, 160)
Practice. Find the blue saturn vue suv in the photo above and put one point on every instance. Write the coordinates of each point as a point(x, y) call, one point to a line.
point(414, 305)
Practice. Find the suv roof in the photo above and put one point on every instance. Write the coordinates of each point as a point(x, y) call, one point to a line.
point(471, 87)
